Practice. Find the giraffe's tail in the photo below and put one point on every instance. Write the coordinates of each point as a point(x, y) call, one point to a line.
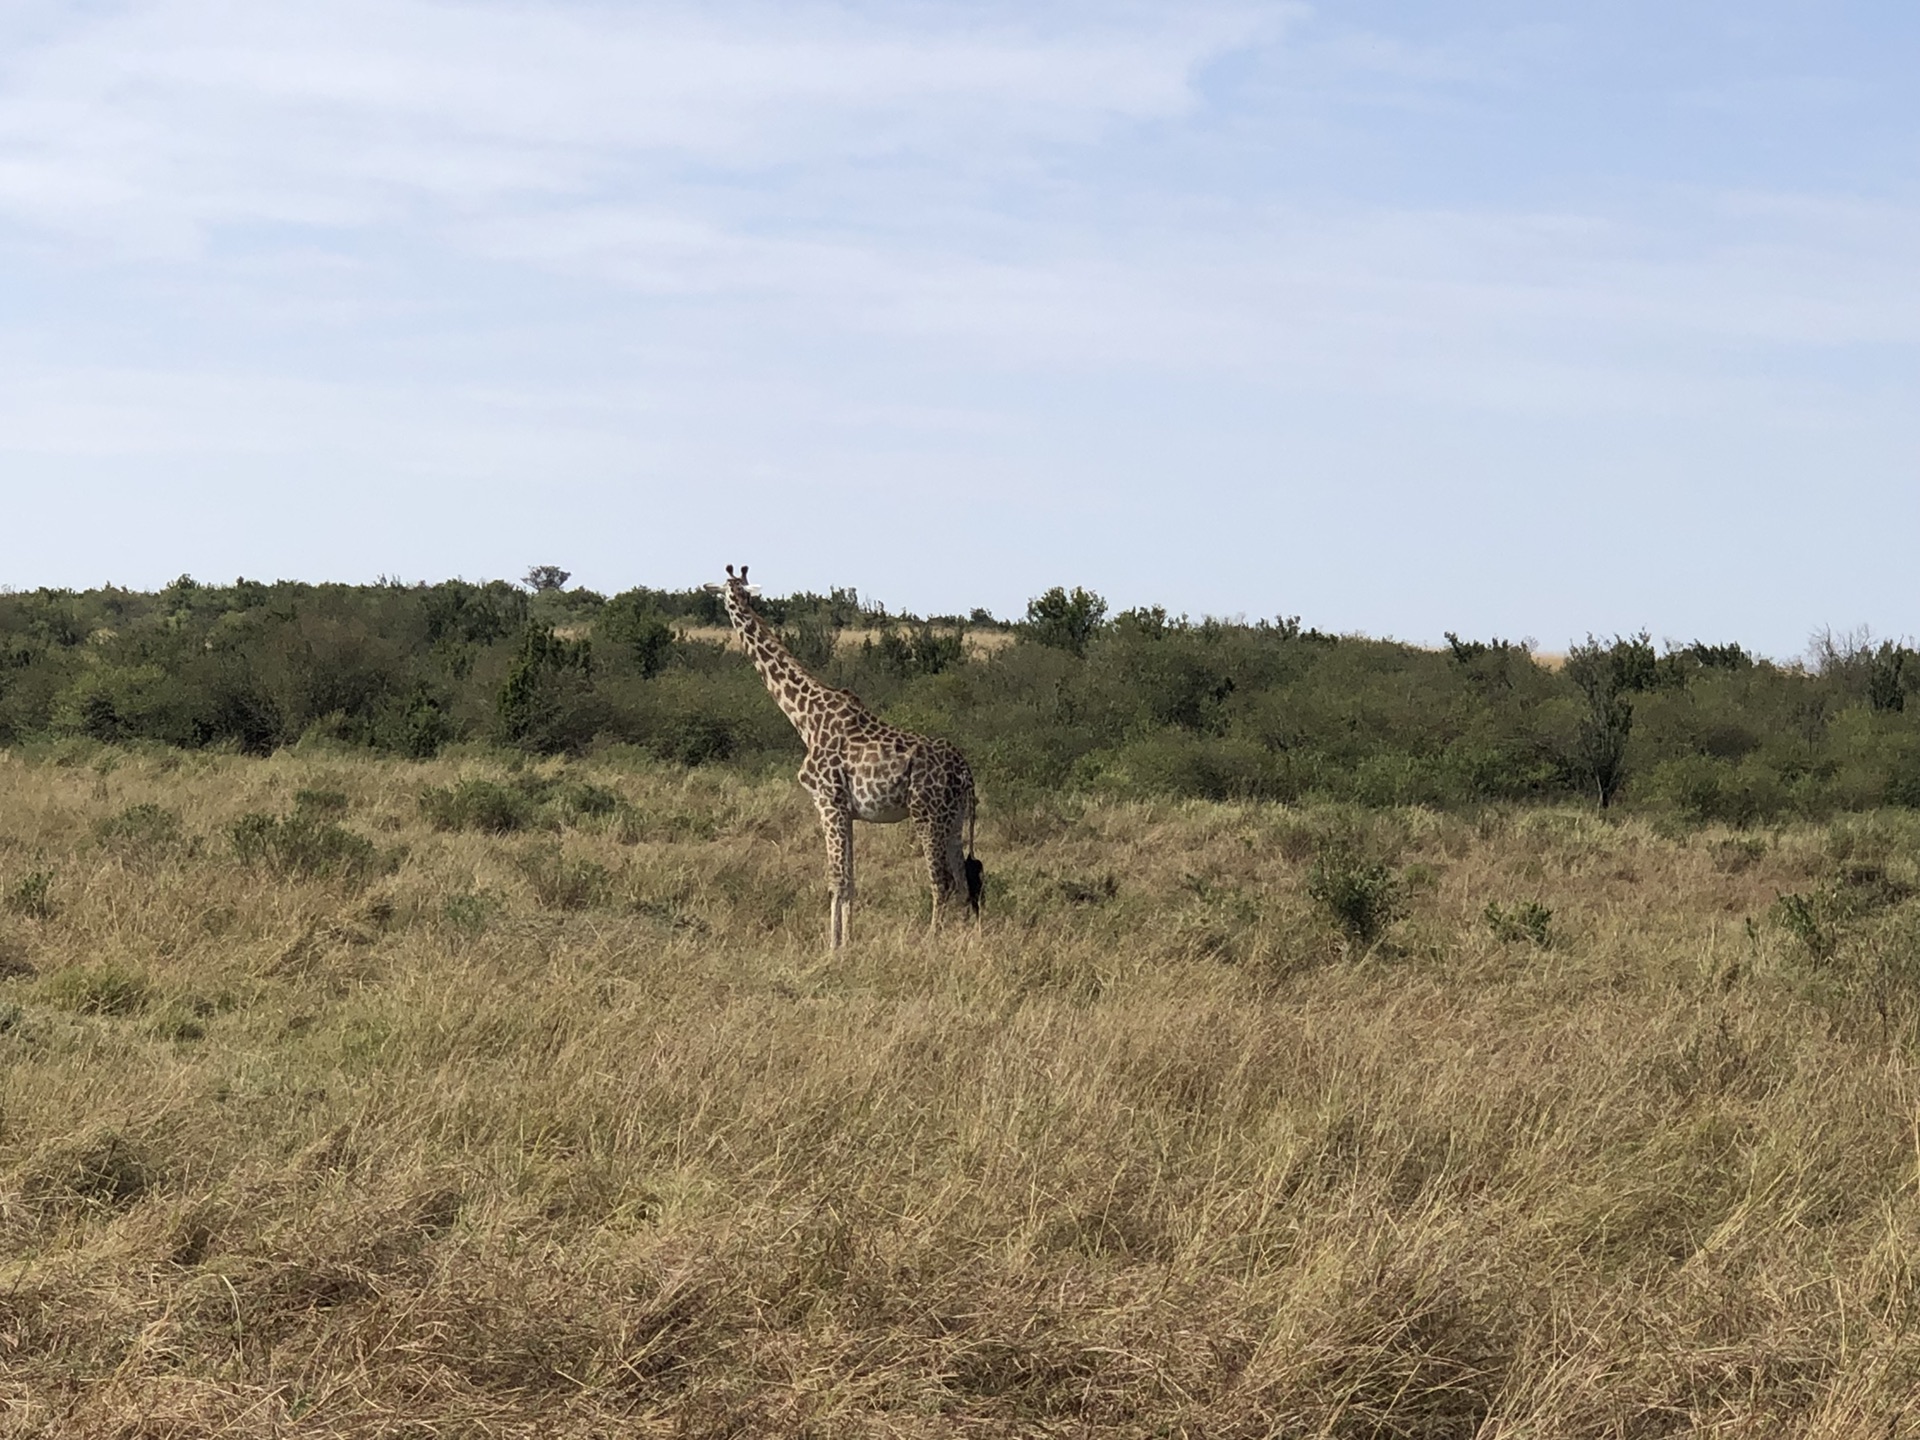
point(976, 872)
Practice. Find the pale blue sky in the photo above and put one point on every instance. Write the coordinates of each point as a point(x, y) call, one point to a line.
point(1500, 318)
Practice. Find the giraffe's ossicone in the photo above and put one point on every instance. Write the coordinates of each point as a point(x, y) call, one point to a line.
point(858, 767)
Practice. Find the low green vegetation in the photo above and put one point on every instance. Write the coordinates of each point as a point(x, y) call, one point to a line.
point(1142, 703)
point(302, 844)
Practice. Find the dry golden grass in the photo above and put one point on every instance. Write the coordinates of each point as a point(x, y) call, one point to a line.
point(576, 1132)
point(980, 644)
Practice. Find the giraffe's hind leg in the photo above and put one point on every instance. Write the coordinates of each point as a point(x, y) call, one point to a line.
point(938, 828)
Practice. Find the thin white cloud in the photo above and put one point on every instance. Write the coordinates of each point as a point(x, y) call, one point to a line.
point(796, 157)
point(1400, 300)
point(194, 114)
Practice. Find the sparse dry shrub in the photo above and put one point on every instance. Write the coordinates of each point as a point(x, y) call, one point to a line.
point(1074, 975)
point(562, 881)
point(584, 800)
point(471, 910)
point(100, 1168)
point(31, 895)
point(97, 990)
point(322, 800)
point(1852, 893)
point(1362, 895)
point(476, 804)
point(1035, 822)
point(14, 964)
point(299, 845)
point(145, 831)
point(1526, 920)
point(328, 951)
point(1739, 853)
point(529, 801)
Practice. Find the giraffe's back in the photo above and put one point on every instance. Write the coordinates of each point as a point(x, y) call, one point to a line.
point(883, 767)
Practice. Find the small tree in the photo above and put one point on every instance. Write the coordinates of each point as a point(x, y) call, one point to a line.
point(1716, 657)
point(546, 674)
point(1887, 678)
point(1602, 743)
point(1605, 673)
point(1362, 895)
point(546, 577)
point(631, 620)
point(1066, 621)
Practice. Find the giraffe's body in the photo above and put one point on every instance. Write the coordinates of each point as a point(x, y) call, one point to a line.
point(858, 767)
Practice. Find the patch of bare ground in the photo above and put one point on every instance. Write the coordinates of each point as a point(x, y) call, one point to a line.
point(570, 1129)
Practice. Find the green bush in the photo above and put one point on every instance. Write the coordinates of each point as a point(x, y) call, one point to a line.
point(424, 729)
point(470, 910)
point(97, 990)
point(1903, 788)
point(140, 830)
point(917, 650)
point(562, 882)
point(1066, 620)
point(812, 639)
point(693, 740)
point(1704, 789)
point(1812, 921)
point(1207, 767)
point(457, 615)
point(529, 801)
point(31, 895)
point(475, 804)
point(301, 845)
point(582, 799)
point(1363, 896)
point(546, 704)
point(1401, 779)
point(1528, 920)
point(632, 624)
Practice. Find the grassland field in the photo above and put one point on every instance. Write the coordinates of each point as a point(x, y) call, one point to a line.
point(344, 1096)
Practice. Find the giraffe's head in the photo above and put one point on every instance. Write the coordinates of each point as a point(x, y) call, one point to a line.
point(736, 589)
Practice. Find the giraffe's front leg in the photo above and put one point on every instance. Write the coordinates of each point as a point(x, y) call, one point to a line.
point(927, 836)
point(836, 822)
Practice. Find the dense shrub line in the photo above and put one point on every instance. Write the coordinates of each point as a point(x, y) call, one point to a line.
point(1142, 702)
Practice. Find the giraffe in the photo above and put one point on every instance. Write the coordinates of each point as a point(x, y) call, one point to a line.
point(858, 767)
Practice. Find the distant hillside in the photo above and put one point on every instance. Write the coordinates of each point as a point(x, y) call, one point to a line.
point(1068, 697)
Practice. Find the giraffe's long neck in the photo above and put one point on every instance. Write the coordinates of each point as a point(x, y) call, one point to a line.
point(796, 692)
